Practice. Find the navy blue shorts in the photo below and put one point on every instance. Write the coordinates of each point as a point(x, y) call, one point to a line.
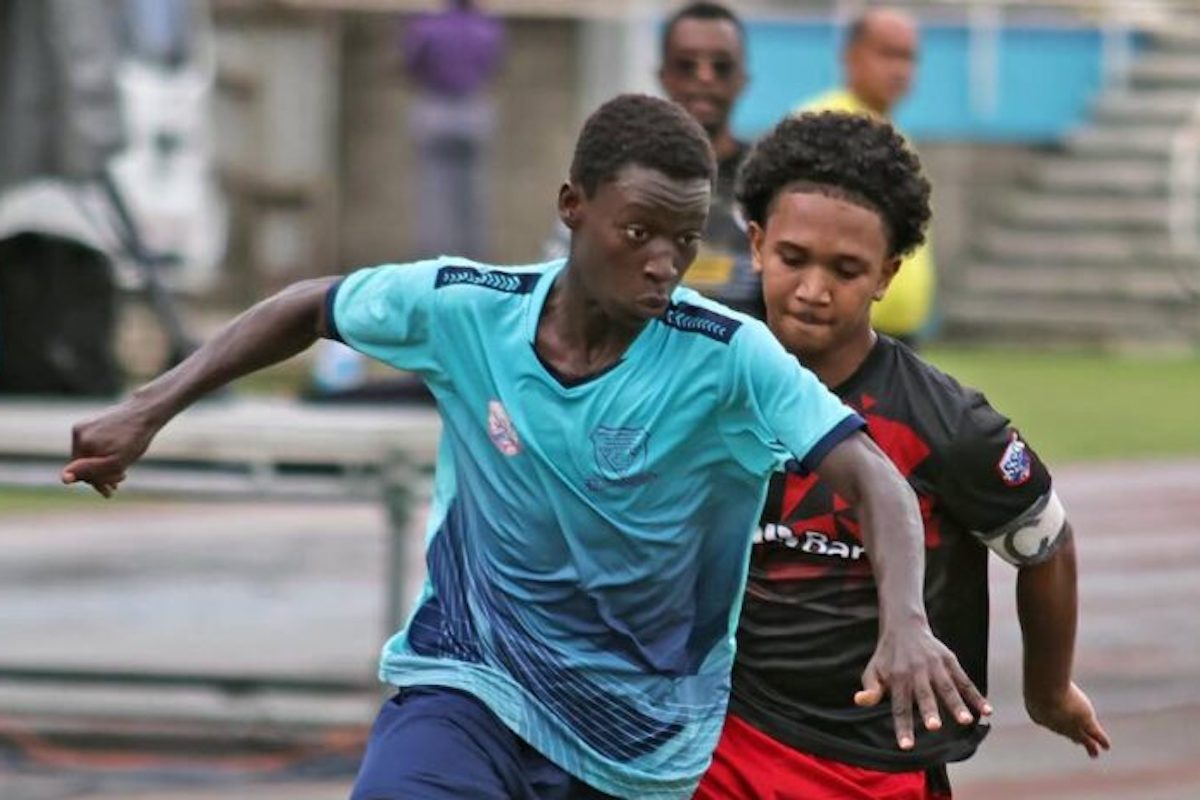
point(431, 743)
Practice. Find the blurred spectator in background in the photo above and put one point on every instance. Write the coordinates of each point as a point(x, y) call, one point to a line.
point(59, 124)
point(450, 57)
point(879, 61)
point(704, 70)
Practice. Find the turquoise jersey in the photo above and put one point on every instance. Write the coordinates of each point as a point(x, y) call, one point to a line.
point(589, 540)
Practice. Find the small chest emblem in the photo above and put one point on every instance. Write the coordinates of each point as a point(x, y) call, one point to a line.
point(620, 452)
point(501, 430)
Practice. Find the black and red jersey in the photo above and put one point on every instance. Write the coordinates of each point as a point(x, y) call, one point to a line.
point(810, 620)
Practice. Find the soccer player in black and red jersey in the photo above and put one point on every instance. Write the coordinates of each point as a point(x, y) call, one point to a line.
point(834, 202)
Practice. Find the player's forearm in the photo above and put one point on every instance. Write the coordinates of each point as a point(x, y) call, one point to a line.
point(269, 332)
point(895, 541)
point(892, 532)
point(1047, 607)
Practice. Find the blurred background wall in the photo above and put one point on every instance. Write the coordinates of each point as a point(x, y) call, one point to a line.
point(1020, 112)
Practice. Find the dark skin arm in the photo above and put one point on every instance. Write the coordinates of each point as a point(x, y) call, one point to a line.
point(278, 328)
point(909, 663)
point(1047, 609)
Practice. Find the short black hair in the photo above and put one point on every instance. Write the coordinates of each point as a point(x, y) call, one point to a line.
point(707, 11)
point(849, 156)
point(637, 129)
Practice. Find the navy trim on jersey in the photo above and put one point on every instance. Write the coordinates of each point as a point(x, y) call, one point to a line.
point(841, 431)
point(331, 329)
point(694, 319)
point(568, 382)
point(495, 279)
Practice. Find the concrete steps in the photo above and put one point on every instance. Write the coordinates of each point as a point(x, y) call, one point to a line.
point(1170, 106)
point(1159, 286)
point(1126, 177)
point(1124, 141)
point(1025, 317)
point(1040, 211)
point(1167, 68)
point(1078, 249)
point(1102, 249)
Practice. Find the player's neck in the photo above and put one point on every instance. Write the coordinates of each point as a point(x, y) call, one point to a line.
point(835, 365)
point(723, 144)
point(575, 335)
point(880, 109)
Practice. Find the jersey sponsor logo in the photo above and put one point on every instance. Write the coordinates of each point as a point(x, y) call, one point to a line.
point(807, 504)
point(495, 279)
point(693, 319)
point(620, 455)
point(808, 541)
point(501, 430)
point(1016, 464)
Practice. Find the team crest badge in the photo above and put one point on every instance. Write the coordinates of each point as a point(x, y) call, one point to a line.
point(620, 452)
point(501, 430)
point(1016, 465)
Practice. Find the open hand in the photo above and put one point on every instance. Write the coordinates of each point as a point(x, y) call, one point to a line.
point(1071, 715)
point(912, 666)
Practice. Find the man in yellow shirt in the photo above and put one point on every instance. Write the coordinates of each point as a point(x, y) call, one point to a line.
point(880, 59)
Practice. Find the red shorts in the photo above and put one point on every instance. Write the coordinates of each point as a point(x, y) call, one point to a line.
point(750, 765)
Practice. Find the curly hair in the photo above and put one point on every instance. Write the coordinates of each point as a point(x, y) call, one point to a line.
point(848, 156)
point(636, 129)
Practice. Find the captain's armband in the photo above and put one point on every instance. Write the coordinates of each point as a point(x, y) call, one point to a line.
point(1031, 538)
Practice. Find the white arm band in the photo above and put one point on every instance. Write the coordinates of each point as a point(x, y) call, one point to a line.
point(1032, 537)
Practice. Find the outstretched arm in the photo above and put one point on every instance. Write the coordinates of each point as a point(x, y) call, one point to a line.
point(909, 663)
point(277, 328)
point(1047, 609)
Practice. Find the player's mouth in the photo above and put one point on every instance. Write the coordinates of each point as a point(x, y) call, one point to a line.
point(701, 105)
point(808, 319)
point(654, 303)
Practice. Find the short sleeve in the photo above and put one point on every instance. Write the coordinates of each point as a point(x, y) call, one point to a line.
point(991, 478)
point(388, 313)
point(776, 410)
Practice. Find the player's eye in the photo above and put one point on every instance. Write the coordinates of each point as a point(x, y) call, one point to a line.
point(691, 239)
point(637, 234)
point(849, 270)
point(685, 66)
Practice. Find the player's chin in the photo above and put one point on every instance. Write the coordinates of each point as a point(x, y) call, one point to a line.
point(804, 338)
point(649, 308)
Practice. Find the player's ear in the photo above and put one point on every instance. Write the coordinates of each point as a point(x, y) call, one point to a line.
point(891, 268)
point(570, 200)
point(757, 236)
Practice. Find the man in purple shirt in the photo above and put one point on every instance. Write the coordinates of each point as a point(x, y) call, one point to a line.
point(450, 57)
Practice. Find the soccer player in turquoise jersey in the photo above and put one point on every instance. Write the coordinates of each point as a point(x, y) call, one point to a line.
point(607, 437)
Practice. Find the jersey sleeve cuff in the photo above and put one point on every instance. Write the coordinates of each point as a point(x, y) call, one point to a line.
point(851, 424)
point(331, 329)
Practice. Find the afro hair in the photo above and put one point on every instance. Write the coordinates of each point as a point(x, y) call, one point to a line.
point(849, 156)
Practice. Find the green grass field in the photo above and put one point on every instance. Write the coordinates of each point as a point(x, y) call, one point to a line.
point(1085, 406)
point(14, 501)
point(29, 501)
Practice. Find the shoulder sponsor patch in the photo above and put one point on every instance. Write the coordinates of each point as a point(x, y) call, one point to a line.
point(495, 279)
point(693, 319)
point(1016, 464)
